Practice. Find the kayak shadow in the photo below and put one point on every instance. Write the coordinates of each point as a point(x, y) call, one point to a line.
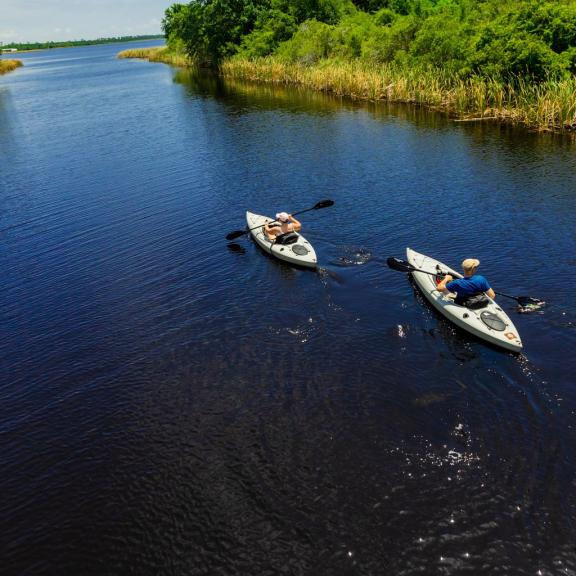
point(458, 339)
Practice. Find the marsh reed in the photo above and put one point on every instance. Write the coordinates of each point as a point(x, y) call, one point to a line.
point(9, 65)
point(156, 54)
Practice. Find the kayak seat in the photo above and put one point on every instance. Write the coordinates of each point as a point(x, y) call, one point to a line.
point(476, 302)
point(286, 238)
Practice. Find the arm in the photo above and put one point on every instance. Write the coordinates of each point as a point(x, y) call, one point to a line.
point(442, 286)
point(487, 289)
point(268, 230)
point(297, 225)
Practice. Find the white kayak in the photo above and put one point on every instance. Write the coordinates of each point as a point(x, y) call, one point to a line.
point(300, 252)
point(490, 323)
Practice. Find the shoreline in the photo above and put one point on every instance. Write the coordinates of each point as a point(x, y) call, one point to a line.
point(9, 65)
point(546, 107)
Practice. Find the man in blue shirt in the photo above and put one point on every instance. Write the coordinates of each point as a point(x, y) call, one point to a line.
point(470, 285)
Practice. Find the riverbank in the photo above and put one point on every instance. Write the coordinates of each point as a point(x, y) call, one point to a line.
point(9, 65)
point(547, 106)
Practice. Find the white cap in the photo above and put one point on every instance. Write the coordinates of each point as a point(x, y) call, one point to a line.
point(282, 216)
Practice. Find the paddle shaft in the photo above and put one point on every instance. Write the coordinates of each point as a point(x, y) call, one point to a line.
point(317, 206)
point(440, 273)
point(272, 221)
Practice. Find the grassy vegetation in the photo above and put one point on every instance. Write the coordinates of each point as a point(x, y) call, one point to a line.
point(549, 105)
point(9, 65)
point(157, 54)
point(513, 61)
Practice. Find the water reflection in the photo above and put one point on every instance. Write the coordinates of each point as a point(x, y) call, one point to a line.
point(244, 96)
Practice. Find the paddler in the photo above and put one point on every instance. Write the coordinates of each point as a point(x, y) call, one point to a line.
point(471, 285)
point(284, 223)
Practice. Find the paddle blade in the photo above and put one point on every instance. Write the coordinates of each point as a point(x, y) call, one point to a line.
point(235, 234)
point(400, 265)
point(529, 303)
point(324, 204)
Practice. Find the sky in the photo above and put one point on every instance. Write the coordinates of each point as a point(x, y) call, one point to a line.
point(44, 20)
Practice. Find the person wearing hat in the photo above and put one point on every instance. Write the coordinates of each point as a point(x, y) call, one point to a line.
point(471, 285)
point(284, 223)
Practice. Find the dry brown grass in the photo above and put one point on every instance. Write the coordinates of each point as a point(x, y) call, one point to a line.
point(9, 65)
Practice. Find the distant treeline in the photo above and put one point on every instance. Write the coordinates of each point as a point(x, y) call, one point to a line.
point(65, 44)
point(530, 39)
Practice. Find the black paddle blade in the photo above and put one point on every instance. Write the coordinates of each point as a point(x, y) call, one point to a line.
point(400, 265)
point(235, 234)
point(324, 204)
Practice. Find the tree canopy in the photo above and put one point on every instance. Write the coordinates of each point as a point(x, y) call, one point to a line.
point(533, 39)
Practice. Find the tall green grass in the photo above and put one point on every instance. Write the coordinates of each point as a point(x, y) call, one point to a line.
point(9, 65)
point(156, 54)
point(550, 105)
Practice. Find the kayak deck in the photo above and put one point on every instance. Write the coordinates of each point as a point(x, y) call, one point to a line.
point(300, 252)
point(490, 323)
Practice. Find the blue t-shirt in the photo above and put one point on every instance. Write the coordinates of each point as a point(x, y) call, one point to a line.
point(465, 287)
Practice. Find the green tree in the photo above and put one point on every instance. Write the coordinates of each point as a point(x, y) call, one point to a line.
point(270, 29)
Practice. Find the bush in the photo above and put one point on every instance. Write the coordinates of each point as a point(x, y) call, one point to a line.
point(270, 30)
point(312, 42)
point(500, 54)
point(444, 41)
point(554, 24)
point(382, 44)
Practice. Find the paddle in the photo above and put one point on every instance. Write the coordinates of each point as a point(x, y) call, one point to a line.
point(403, 266)
point(318, 206)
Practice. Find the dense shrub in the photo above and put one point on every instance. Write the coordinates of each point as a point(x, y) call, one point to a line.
point(271, 28)
point(533, 39)
point(313, 41)
point(386, 43)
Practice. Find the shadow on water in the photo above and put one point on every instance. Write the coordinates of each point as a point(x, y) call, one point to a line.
point(244, 96)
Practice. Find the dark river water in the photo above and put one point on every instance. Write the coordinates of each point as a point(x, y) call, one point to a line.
point(173, 405)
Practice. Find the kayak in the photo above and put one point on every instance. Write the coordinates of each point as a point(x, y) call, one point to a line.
point(300, 252)
point(489, 323)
